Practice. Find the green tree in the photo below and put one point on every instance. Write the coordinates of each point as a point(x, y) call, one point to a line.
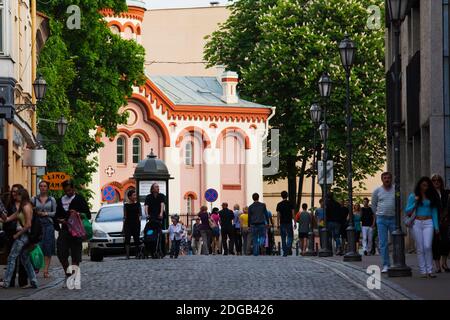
point(280, 48)
point(90, 73)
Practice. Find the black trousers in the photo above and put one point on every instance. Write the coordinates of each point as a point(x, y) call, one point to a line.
point(238, 240)
point(175, 248)
point(227, 233)
point(132, 230)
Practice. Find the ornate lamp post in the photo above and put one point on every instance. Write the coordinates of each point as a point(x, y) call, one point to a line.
point(325, 85)
point(40, 89)
point(347, 51)
point(316, 113)
point(397, 12)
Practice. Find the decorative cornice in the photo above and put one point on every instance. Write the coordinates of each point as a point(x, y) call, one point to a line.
point(132, 13)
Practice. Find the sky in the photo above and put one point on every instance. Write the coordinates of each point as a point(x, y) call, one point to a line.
point(159, 4)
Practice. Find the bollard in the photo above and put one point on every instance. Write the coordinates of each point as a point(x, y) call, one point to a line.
point(311, 251)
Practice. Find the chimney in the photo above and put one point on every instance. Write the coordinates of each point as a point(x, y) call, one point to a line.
point(229, 82)
point(220, 69)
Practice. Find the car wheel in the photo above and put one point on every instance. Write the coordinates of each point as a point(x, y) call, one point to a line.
point(96, 255)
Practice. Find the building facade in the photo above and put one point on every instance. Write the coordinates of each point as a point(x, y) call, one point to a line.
point(425, 132)
point(207, 136)
point(19, 25)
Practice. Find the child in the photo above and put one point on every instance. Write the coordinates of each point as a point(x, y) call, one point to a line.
point(175, 232)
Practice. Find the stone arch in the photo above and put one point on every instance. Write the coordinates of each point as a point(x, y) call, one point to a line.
point(199, 132)
point(234, 130)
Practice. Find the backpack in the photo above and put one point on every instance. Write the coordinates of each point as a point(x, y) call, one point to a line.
point(35, 232)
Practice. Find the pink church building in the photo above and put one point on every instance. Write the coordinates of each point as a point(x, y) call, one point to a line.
point(207, 136)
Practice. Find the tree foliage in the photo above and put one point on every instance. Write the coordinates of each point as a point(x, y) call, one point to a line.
point(89, 72)
point(281, 47)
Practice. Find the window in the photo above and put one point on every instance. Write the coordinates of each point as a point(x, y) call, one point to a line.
point(189, 154)
point(121, 150)
point(189, 205)
point(114, 29)
point(136, 150)
point(2, 26)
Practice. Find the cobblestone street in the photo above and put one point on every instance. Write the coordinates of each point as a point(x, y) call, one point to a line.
point(219, 277)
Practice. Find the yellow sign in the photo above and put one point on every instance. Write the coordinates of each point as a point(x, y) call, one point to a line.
point(55, 179)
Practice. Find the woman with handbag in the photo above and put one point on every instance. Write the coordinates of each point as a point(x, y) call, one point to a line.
point(424, 204)
point(441, 245)
point(45, 207)
point(215, 231)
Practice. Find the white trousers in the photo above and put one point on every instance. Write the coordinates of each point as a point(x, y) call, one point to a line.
point(367, 237)
point(423, 235)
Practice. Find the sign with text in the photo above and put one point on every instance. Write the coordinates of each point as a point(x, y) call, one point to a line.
point(55, 179)
point(145, 187)
point(329, 172)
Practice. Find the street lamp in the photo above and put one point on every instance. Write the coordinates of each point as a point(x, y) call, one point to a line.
point(347, 51)
point(316, 114)
point(397, 12)
point(325, 85)
point(40, 89)
point(62, 126)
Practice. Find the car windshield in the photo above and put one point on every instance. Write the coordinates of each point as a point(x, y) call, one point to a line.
point(112, 214)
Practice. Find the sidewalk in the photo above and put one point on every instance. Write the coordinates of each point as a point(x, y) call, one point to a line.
point(429, 289)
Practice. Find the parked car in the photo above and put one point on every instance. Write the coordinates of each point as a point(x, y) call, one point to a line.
point(107, 231)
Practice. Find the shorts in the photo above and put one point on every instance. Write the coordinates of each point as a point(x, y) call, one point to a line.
point(216, 232)
point(66, 246)
point(303, 235)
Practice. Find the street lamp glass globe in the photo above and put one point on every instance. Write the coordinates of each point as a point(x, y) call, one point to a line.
point(347, 50)
point(323, 131)
point(40, 88)
point(316, 113)
point(397, 10)
point(325, 85)
point(62, 126)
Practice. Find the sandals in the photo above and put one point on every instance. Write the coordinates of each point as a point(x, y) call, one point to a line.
point(46, 275)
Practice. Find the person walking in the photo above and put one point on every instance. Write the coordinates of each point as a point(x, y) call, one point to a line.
point(215, 232)
point(441, 244)
point(357, 223)
point(227, 229)
point(285, 215)
point(245, 232)
point(424, 204)
point(196, 237)
point(155, 206)
point(304, 226)
point(45, 207)
point(67, 245)
point(334, 216)
point(257, 213)
point(205, 230)
point(132, 215)
point(367, 226)
point(237, 230)
point(12, 204)
point(383, 205)
point(23, 216)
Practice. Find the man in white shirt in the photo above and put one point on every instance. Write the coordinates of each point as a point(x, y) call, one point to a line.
point(383, 205)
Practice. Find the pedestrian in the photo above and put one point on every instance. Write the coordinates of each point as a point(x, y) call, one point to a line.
point(319, 216)
point(304, 226)
point(334, 217)
point(20, 247)
point(155, 206)
point(285, 215)
point(175, 232)
point(424, 204)
point(67, 245)
point(367, 226)
point(357, 223)
point(45, 207)
point(237, 230)
point(227, 229)
point(441, 244)
point(196, 237)
point(383, 205)
point(215, 232)
point(205, 229)
point(257, 213)
point(132, 215)
point(269, 241)
point(245, 232)
point(343, 221)
point(12, 204)
point(184, 248)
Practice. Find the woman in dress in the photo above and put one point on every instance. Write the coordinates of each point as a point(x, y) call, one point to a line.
point(45, 207)
point(441, 244)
